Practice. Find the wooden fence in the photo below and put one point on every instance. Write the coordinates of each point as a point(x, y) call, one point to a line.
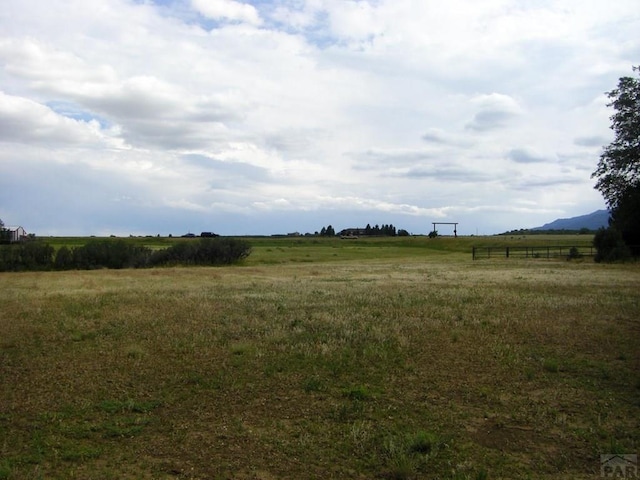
point(564, 251)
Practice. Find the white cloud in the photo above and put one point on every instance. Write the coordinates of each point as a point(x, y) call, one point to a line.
point(227, 10)
point(23, 121)
point(252, 114)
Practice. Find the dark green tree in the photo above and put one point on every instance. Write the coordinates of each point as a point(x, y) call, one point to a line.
point(4, 233)
point(610, 246)
point(618, 171)
point(327, 231)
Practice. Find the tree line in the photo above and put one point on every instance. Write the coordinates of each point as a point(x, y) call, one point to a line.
point(376, 230)
point(119, 253)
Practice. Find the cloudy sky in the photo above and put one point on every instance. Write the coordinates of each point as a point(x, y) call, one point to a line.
point(274, 116)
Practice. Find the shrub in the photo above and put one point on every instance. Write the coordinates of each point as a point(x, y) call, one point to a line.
point(119, 254)
point(63, 259)
point(32, 255)
point(574, 254)
point(110, 254)
point(208, 251)
point(610, 246)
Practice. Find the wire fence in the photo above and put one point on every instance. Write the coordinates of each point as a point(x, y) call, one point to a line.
point(557, 251)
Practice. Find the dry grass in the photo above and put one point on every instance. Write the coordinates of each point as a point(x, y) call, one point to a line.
point(407, 368)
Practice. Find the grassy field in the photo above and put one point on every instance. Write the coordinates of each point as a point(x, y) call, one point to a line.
point(388, 359)
point(284, 250)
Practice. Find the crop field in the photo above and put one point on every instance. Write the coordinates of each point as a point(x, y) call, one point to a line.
point(320, 359)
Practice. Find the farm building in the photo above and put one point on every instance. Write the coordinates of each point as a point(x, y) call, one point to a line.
point(353, 232)
point(16, 234)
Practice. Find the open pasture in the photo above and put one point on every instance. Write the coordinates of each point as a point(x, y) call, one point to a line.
point(343, 359)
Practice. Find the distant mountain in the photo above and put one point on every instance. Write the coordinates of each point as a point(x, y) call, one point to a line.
point(592, 221)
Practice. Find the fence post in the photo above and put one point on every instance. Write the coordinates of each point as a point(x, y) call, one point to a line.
point(507, 252)
point(473, 253)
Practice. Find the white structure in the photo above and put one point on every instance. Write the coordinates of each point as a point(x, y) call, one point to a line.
point(16, 234)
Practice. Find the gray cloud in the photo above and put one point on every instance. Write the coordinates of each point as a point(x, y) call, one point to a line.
point(592, 141)
point(490, 120)
point(447, 174)
point(385, 159)
point(495, 111)
point(525, 155)
point(537, 182)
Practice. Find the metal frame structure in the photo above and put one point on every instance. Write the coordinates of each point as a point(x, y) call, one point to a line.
point(455, 226)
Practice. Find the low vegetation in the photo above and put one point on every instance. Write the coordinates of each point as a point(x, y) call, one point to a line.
point(120, 253)
point(363, 360)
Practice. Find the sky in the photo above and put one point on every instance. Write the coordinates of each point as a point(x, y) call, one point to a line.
point(140, 117)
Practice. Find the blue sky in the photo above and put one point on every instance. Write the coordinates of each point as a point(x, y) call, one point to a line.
point(155, 117)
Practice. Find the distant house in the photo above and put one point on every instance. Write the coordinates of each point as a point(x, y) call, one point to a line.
point(353, 232)
point(16, 234)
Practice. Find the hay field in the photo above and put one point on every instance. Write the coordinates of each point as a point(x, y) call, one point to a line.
point(390, 365)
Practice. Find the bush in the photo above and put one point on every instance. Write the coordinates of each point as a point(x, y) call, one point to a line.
point(31, 255)
point(118, 254)
point(109, 254)
point(208, 251)
point(574, 254)
point(610, 246)
point(63, 259)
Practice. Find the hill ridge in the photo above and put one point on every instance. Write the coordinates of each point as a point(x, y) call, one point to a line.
point(592, 221)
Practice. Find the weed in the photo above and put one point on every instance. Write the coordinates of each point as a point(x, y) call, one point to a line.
point(482, 475)
point(131, 406)
point(78, 452)
point(400, 463)
point(347, 412)
point(124, 429)
point(313, 384)
point(423, 442)
point(550, 365)
point(358, 393)
point(135, 352)
point(360, 434)
point(240, 349)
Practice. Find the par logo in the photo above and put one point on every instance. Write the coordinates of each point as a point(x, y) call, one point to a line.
point(619, 466)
